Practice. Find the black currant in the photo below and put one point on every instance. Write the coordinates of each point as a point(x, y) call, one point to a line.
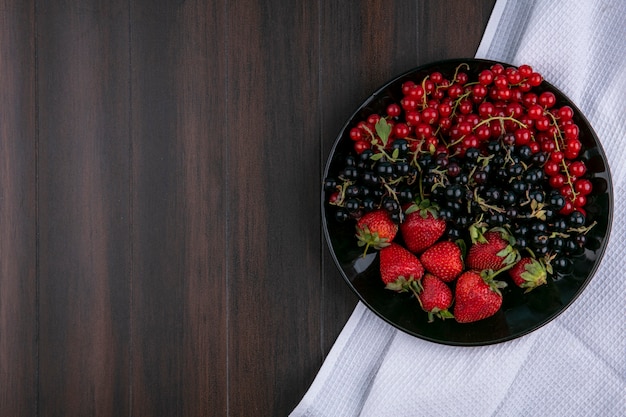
point(350, 161)
point(351, 173)
point(576, 219)
point(556, 200)
point(330, 184)
point(353, 190)
point(509, 198)
point(352, 205)
point(524, 152)
point(341, 215)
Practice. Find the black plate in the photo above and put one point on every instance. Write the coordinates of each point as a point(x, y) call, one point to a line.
point(520, 313)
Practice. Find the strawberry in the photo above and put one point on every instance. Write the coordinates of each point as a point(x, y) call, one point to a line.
point(477, 297)
point(435, 297)
point(375, 229)
point(443, 260)
point(529, 273)
point(421, 228)
point(399, 267)
point(492, 250)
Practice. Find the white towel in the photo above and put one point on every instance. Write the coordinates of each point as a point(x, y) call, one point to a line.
point(576, 364)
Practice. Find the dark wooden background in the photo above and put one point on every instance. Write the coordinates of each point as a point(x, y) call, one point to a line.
point(161, 251)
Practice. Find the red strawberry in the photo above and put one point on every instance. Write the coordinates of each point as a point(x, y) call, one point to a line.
point(435, 297)
point(476, 298)
point(421, 228)
point(399, 267)
point(529, 273)
point(443, 260)
point(375, 229)
point(491, 251)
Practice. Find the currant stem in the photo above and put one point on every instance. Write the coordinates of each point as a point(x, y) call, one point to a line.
point(502, 119)
point(558, 148)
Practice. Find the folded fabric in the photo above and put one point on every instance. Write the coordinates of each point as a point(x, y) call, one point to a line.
point(574, 365)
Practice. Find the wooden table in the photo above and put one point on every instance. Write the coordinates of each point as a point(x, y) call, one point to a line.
point(161, 250)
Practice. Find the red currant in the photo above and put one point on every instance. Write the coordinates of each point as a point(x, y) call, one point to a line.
point(438, 94)
point(465, 106)
point(416, 92)
point(513, 76)
point(479, 92)
point(557, 181)
point(465, 128)
point(373, 119)
point(547, 99)
point(516, 94)
point(501, 82)
point(470, 141)
point(525, 70)
point(401, 130)
point(486, 109)
point(557, 156)
point(514, 110)
point(534, 147)
point(430, 115)
point(413, 117)
point(497, 69)
point(535, 111)
point(485, 77)
point(529, 99)
point(423, 130)
point(445, 123)
point(578, 168)
point(567, 192)
point(568, 208)
point(407, 86)
point(496, 129)
point(571, 131)
point(524, 87)
point(579, 201)
point(365, 127)
point(356, 134)
point(551, 168)
point(483, 132)
point(535, 79)
point(409, 103)
point(542, 123)
point(583, 186)
point(572, 148)
point(444, 109)
point(522, 136)
point(361, 145)
point(393, 110)
point(461, 78)
point(549, 146)
point(431, 142)
point(565, 113)
point(436, 77)
point(429, 86)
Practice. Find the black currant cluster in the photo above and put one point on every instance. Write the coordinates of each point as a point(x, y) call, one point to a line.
point(504, 186)
point(368, 182)
point(500, 185)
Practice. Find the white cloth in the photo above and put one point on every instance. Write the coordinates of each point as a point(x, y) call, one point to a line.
point(576, 364)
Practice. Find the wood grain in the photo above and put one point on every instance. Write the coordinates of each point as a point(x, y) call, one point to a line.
point(84, 224)
point(161, 250)
point(18, 211)
point(274, 172)
point(179, 202)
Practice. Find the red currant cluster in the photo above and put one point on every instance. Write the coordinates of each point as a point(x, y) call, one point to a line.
point(443, 115)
